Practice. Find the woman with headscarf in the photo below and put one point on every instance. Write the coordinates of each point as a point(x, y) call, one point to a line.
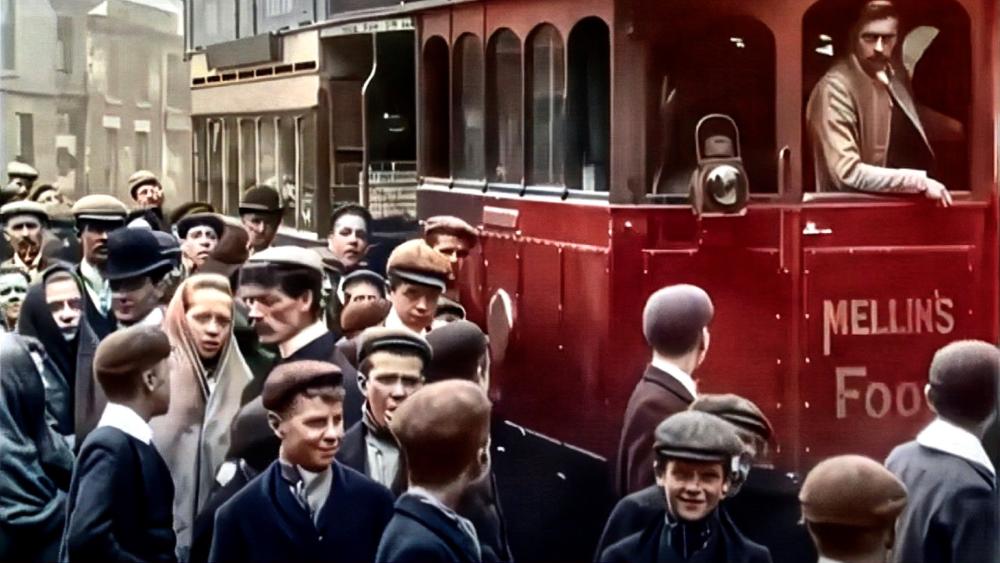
point(35, 464)
point(208, 375)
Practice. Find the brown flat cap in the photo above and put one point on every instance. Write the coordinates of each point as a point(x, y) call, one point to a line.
point(23, 207)
point(401, 340)
point(738, 411)
point(140, 178)
point(697, 436)
point(448, 224)
point(289, 379)
point(360, 315)
point(130, 351)
point(288, 255)
point(448, 306)
point(261, 199)
point(675, 316)
point(416, 262)
point(99, 207)
point(458, 348)
point(17, 169)
point(852, 490)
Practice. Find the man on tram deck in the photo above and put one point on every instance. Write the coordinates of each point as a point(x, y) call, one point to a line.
point(866, 133)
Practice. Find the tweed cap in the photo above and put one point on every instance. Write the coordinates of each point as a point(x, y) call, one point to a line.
point(852, 490)
point(100, 207)
point(416, 262)
point(141, 178)
point(189, 208)
point(130, 351)
point(674, 317)
point(738, 411)
point(458, 348)
point(261, 199)
point(210, 220)
point(360, 315)
point(380, 338)
point(18, 169)
point(448, 224)
point(36, 191)
point(23, 207)
point(288, 255)
point(289, 379)
point(697, 436)
point(448, 306)
point(133, 253)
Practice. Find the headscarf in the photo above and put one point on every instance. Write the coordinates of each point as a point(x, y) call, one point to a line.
point(36, 321)
point(193, 437)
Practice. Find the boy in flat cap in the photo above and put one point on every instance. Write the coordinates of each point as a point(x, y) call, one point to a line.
point(199, 233)
point(121, 494)
point(260, 211)
point(391, 363)
point(97, 216)
point(147, 192)
point(444, 433)
point(675, 323)
point(349, 235)
point(305, 506)
point(697, 455)
point(21, 176)
point(281, 286)
point(952, 514)
point(24, 226)
point(418, 275)
point(850, 504)
point(454, 238)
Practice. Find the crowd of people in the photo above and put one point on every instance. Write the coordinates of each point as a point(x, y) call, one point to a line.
point(177, 387)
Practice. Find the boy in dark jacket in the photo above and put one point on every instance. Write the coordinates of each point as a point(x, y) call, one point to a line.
point(120, 505)
point(305, 506)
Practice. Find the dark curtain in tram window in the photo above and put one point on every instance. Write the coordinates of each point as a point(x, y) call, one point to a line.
point(232, 166)
point(434, 98)
point(248, 153)
point(200, 127)
point(215, 161)
point(504, 145)
point(588, 106)
point(273, 15)
point(212, 21)
point(287, 167)
point(467, 107)
point(266, 143)
point(308, 186)
point(547, 95)
point(391, 108)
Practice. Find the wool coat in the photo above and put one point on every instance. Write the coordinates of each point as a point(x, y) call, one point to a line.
point(422, 533)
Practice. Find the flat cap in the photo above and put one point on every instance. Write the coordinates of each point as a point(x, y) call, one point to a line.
point(140, 178)
point(360, 315)
point(289, 379)
point(852, 490)
point(188, 208)
point(288, 255)
point(21, 169)
point(448, 224)
point(130, 351)
point(23, 207)
point(232, 247)
point(738, 411)
point(252, 438)
point(261, 199)
point(448, 306)
point(416, 262)
point(100, 207)
point(36, 191)
point(697, 436)
point(364, 275)
point(674, 317)
point(210, 220)
point(458, 348)
point(133, 253)
point(380, 338)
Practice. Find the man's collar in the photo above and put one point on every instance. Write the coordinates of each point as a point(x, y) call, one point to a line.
point(127, 420)
point(154, 318)
point(305, 336)
point(91, 273)
point(946, 437)
point(671, 369)
point(392, 320)
point(25, 266)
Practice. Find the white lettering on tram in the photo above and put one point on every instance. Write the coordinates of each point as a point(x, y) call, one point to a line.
point(878, 398)
point(876, 317)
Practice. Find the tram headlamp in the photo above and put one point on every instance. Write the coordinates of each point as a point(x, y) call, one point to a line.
point(720, 184)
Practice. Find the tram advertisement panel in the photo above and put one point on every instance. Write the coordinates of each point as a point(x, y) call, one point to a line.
point(874, 317)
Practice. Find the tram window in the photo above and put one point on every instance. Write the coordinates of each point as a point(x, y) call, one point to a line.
point(547, 93)
point(307, 171)
point(588, 106)
point(266, 142)
point(932, 60)
point(212, 21)
point(714, 65)
point(215, 155)
point(248, 153)
point(503, 137)
point(286, 183)
point(200, 159)
point(273, 15)
point(467, 105)
point(232, 198)
point(434, 133)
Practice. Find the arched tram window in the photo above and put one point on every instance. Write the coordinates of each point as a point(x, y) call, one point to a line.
point(588, 107)
point(933, 50)
point(504, 145)
point(468, 118)
point(434, 140)
point(545, 71)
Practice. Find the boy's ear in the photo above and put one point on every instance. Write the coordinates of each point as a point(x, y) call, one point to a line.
point(274, 421)
point(149, 380)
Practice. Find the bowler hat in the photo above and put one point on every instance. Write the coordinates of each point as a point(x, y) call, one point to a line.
point(189, 208)
point(697, 436)
point(852, 490)
point(291, 378)
point(261, 199)
point(416, 262)
point(170, 247)
point(141, 178)
point(380, 338)
point(210, 220)
point(100, 207)
point(133, 253)
point(23, 207)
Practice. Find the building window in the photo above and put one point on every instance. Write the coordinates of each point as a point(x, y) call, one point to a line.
point(588, 106)
point(504, 101)
point(434, 141)
point(141, 150)
point(467, 107)
point(64, 44)
point(547, 93)
point(110, 160)
point(273, 15)
point(177, 82)
point(26, 137)
point(7, 34)
point(111, 69)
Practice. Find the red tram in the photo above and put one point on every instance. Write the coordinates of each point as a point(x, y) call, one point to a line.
point(566, 129)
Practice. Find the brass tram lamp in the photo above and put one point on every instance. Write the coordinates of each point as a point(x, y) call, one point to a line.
point(719, 184)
